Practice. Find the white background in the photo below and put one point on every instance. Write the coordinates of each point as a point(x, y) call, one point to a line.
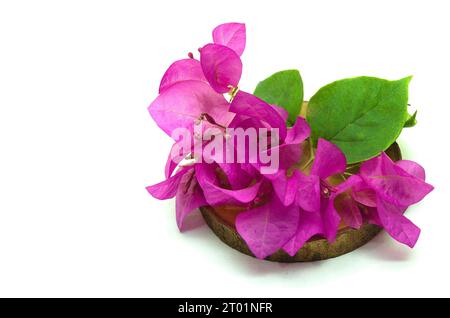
point(77, 146)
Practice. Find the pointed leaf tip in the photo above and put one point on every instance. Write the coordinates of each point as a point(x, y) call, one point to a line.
point(411, 121)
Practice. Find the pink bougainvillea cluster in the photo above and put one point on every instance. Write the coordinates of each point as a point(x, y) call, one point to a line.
point(285, 208)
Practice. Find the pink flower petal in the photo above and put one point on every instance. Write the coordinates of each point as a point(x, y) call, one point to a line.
point(170, 163)
point(309, 225)
point(168, 188)
point(329, 160)
point(412, 168)
point(349, 211)
point(397, 225)
point(398, 190)
point(378, 166)
point(371, 216)
point(246, 104)
point(189, 197)
point(345, 203)
point(281, 111)
point(182, 70)
point(308, 193)
point(222, 67)
point(331, 219)
point(267, 228)
point(286, 188)
point(170, 166)
point(393, 182)
point(360, 191)
point(371, 167)
point(354, 182)
point(298, 133)
point(366, 197)
point(183, 103)
point(231, 35)
point(288, 154)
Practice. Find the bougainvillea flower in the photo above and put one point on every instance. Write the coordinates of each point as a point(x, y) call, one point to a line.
point(232, 35)
point(182, 70)
point(312, 196)
point(178, 107)
point(306, 198)
point(280, 206)
point(396, 186)
point(221, 66)
point(380, 195)
point(268, 227)
point(221, 61)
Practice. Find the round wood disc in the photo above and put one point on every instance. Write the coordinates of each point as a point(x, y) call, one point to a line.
point(346, 241)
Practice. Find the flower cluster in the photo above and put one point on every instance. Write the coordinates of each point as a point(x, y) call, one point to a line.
point(310, 193)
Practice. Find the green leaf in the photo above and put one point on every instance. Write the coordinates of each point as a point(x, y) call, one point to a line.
point(361, 115)
point(284, 89)
point(411, 121)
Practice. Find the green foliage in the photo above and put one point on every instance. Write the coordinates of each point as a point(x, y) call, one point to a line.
point(361, 115)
